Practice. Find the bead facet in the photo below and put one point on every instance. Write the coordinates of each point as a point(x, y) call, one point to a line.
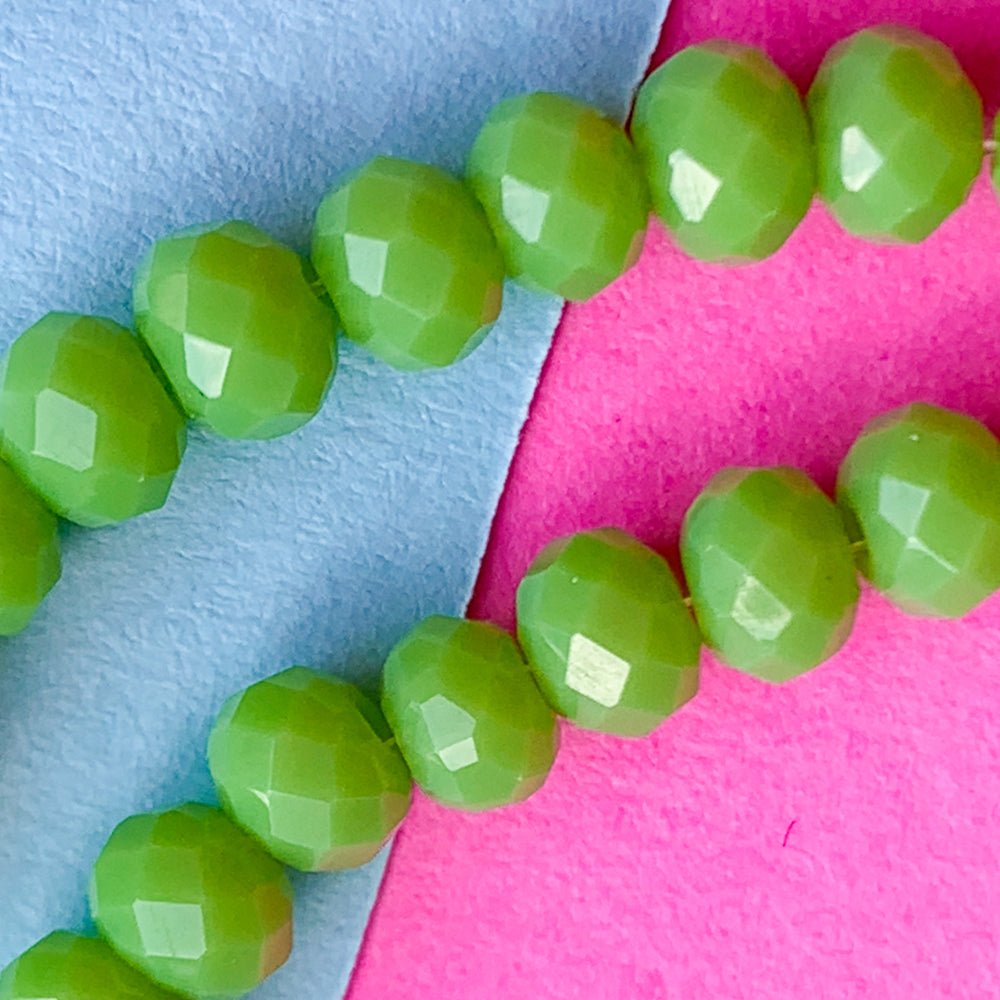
point(899, 133)
point(308, 765)
point(86, 422)
point(193, 901)
point(237, 328)
point(408, 258)
point(604, 628)
point(30, 563)
point(564, 192)
point(770, 569)
point(66, 966)
point(727, 149)
point(467, 714)
point(921, 488)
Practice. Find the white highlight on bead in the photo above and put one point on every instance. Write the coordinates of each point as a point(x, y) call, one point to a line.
point(449, 724)
point(757, 611)
point(692, 186)
point(366, 260)
point(859, 159)
point(524, 207)
point(595, 672)
point(65, 430)
point(206, 364)
point(170, 930)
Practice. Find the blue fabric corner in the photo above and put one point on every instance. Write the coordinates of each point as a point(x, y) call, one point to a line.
point(120, 121)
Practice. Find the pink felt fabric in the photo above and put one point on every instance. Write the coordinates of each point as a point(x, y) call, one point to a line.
point(833, 838)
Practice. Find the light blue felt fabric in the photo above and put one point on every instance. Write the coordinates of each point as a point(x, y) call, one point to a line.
point(118, 122)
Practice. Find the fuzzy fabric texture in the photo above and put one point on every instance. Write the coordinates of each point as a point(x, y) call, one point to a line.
point(832, 838)
point(120, 121)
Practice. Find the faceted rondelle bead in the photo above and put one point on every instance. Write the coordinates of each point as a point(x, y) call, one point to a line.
point(606, 633)
point(86, 422)
point(194, 902)
point(410, 262)
point(921, 488)
point(66, 966)
point(233, 320)
point(564, 192)
point(771, 573)
point(899, 133)
point(727, 148)
point(30, 563)
point(307, 764)
point(469, 718)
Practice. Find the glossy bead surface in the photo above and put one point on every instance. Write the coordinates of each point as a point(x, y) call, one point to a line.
point(66, 966)
point(467, 715)
point(410, 262)
point(899, 133)
point(308, 765)
point(30, 562)
point(603, 625)
point(239, 332)
point(564, 192)
point(921, 488)
point(995, 159)
point(194, 902)
point(87, 422)
point(726, 146)
point(770, 569)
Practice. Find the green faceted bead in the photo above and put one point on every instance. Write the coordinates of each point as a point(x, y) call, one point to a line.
point(193, 901)
point(564, 192)
point(921, 489)
point(771, 572)
point(605, 630)
point(899, 133)
point(468, 717)
point(727, 149)
point(66, 966)
point(86, 422)
point(30, 563)
point(237, 327)
point(308, 765)
point(408, 258)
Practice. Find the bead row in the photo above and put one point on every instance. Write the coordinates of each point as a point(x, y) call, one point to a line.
point(312, 774)
point(309, 772)
point(242, 332)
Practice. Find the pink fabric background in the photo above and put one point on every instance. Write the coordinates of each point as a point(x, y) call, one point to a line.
point(836, 837)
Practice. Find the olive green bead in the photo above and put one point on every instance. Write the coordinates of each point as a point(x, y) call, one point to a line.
point(771, 572)
point(921, 489)
point(564, 192)
point(409, 260)
point(238, 329)
point(307, 764)
point(603, 625)
point(66, 966)
point(30, 561)
point(899, 133)
point(86, 422)
point(194, 902)
point(468, 717)
point(727, 148)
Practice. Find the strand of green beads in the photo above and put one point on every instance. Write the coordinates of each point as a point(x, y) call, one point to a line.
point(897, 140)
point(307, 767)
